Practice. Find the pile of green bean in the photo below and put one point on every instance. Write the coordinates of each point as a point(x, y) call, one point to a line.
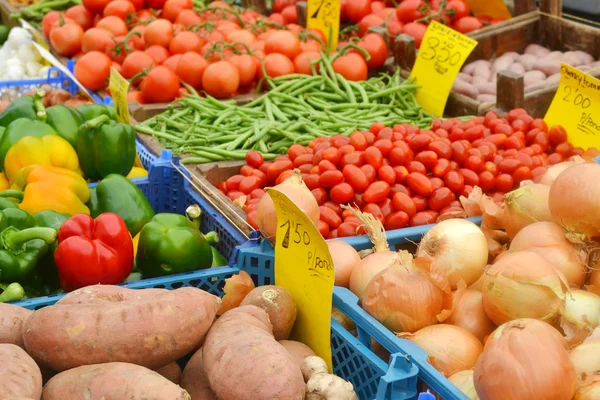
point(296, 109)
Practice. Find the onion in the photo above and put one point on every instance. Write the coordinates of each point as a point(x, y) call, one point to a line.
point(463, 380)
point(524, 206)
point(589, 388)
point(236, 288)
point(550, 176)
point(381, 257)
point(574, 198)
point(298, 193)
point(405, 299)
point(525, 359)
point(594, 336)
point(523, 285)
point(458, 251)
point(582, 313)
point(548, 240)
point(450, 349)
point(344, 259)
point(468, 314)
point(595, 278)
point(586, 358)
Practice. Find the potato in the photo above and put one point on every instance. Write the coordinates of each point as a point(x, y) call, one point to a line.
point(12, 319)
point(537, 50)
point(527, 60)
point(112, 381)
point(479, 81)
point(486, 88)
point(470, 68)
point(465, 88)
point(243, 361)
point(586, 58)
point(584, 68)
point(194, 379)
point(171, 371)
point(483, 71)
point(502, 63)
point(280, 306)
point(517, 68)
point(554, 78)
point(151, 331)
point(486, 98)
point(19, 374)
point(464, 77)
point(571, 58)
point(298, 350)
point(548, 65)
point(98, 294)
point(595, 64)
point(532, 77)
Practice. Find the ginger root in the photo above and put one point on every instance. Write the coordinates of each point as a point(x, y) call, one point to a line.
point(321, 385)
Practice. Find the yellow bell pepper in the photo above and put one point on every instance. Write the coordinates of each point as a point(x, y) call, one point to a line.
point(47, 150)
point(3, 182)
point(136, 241)
point(137, 172)
point(51, 188)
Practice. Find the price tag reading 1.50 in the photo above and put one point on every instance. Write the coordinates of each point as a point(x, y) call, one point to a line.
point(443, 52)
point(303, 266)
point(576, 106)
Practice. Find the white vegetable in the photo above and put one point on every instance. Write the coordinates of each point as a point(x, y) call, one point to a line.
point(321, 385)
point(19, 59)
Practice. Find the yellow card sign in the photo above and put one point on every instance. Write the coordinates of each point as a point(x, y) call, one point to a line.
point(492, 8)
point(576, 106)
point(324, 15)
point(118, 87)
point(303, 266)
point(441, 56)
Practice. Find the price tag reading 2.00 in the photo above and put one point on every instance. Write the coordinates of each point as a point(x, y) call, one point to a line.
point(303, 266)
point(576, 106)
point(324, 15)
point(443, 52)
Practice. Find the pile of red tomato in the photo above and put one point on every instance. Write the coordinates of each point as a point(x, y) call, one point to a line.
point(157, 43)
point(406, 176)
point(404, 16)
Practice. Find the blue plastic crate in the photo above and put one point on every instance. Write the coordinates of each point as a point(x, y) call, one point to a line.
point(168, 190)
point(352, 360)
point(146, 156)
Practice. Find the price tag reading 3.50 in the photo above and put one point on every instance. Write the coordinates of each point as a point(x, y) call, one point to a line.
point(303, 266)
point(441, 56)
point(576, 106)
point(324, 15)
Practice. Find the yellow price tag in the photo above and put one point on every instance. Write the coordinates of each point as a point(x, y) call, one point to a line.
point(324, 15)
point(118, 87)
point(441, 56)
point(492, 8)
point(304, 267)
point(576, 106)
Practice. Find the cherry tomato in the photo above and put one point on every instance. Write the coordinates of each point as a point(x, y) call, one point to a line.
point(416, 166)
point(250, 183)
point(324, 229)
point(331, 178)
point(470, 177)
point(397, 220)
point(341, 193)
point(557, 135)
point(325, 165)
point(420, 142)
point(347, 229)
point(356, 158)
point(436, 183)
point(370, 172)
point(387, 174)
point(454, 181)
point(402, 202)
point(373, 157)
point(440, 198)
point(330, 217)
point(442, 167)
point(374, 210)
point(356, 10)
point(320, 195)
point(409, 11)
point(467, 24)
point(356, 178)
point(376, 192)
point(399, 156)
point(441, 148)
point(504, 183)
point(401, 173)
point(486, 181)
point(423, 218)
point(384, 145)
point(509, 165)
point(419, 184)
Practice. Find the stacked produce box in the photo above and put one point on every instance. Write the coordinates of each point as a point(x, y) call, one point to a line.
point(142, 250)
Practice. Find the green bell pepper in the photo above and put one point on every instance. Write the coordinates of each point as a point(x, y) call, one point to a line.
point(117, 194)
point(91, 111)
point(66, 121)
point(22, 244)
point(20, 128)
point(105, 147)
point(24, 107)
point(47, 267)
point(171, 244)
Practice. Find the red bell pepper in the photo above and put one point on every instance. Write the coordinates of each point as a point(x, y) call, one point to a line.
point(92, 251)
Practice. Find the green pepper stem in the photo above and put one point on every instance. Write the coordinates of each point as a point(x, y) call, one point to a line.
point(13, 292)
point(15, 194)
point(212, 238)
point(94, 122)
point(40, 110)
point(14, 239)
point(194, 213)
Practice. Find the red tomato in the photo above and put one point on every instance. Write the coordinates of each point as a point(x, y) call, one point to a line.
point(283, 42)
point(302, 62)
point(352, 67)
point(160, 32)
point(557, 135)
point(95, 6)
point(329, 179)
point(92, 70)
point(370, 172)
point(247, 67)
point(158, 53)
point(467, 24)
point(419, 184)
point(460, 8)
point(277, 65)
point(160, 85)
point(356, 10)
point(423, 218)
point(403, 202)
point(341, 193)
point(387, 174)
point(376, 192)
point(373, 157)
point(428, 158)
point(408, 10)
point(190, 68)
point(504, 183)
point(185, 41)
point(397, 220)
point(250, 183)
point(417, 31)
point(487, 181)
point(66, 38)
point(454, 181)
point(367, 22)
point(356, 178)
point(330, 217)
point(221, 79)
point(82, 16)
point(440, 198)
point(377, 49)
point(324, 229)
point(135, 63)
point(374, 210)
point(320, 195)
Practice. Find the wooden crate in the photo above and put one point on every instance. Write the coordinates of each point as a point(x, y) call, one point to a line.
point(6, 10)
point(536, 27)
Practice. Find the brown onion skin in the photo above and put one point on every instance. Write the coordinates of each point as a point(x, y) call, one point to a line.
point(525, 359)
point(367, 268)
point(344, 258)
point(589, 389)
point(548, 240)
point(468, 313)
point(525, 206)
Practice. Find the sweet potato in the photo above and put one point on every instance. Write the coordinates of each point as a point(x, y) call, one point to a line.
point(532, 77)
point(464, 88)
point(171, 371)
point(298, 350)
point(243, 361)
point(483, 71)
point(194, 379)
point(280, 306)
point(537, 50)
point(12, 319)
point(517, 68)
point(19, 374)
point(151, 331)
point(527, 60)
point(486, 98)
point(112, 381)
point(98, 294)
